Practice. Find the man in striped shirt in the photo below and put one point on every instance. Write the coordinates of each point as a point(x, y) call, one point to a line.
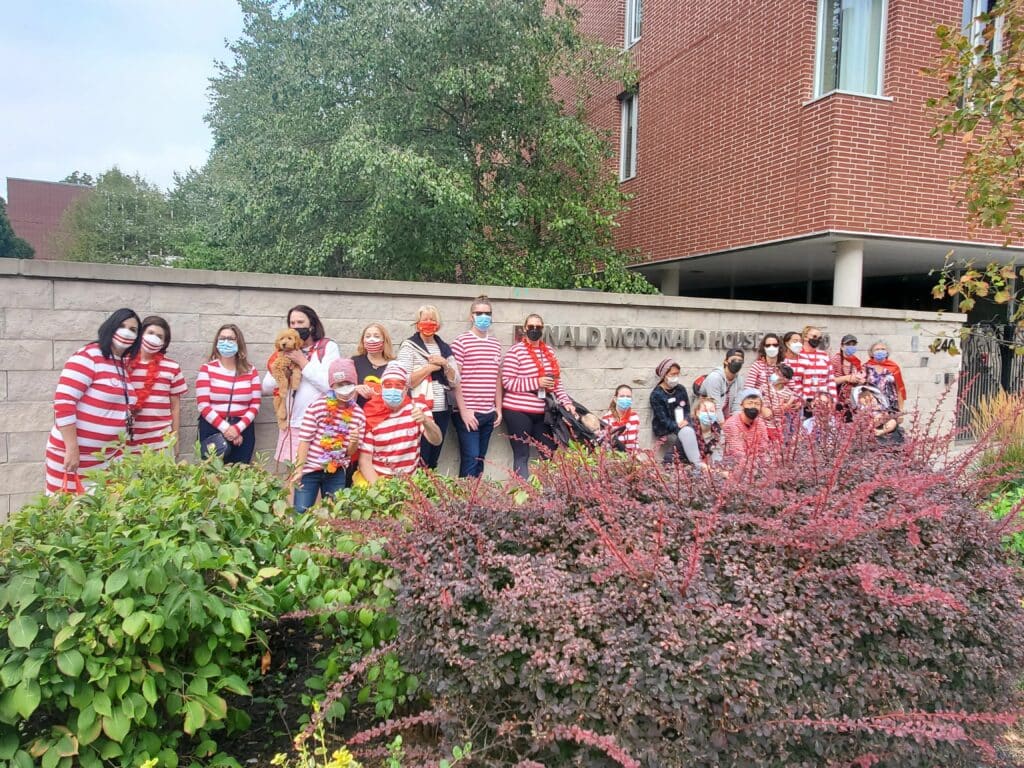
point(746, 435)
point(478, 395)
point(392, 446)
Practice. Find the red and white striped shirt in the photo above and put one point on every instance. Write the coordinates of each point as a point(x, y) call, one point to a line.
point(759, 372)
point(742, 440)
point(312, 430)
point(216, 386)
point(812, 374)
point(630, 437)
point(394, 444)
point(521, 378)
point(479, 359)
point(93, 395)
point(153, 417)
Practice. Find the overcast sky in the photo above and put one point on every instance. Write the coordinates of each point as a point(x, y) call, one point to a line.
point(89, 84)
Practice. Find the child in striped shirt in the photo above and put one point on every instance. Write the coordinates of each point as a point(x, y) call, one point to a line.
point(328, 438)
point(392, 446)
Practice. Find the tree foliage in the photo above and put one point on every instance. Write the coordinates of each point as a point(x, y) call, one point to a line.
point(416, 139)
point(983, 107)
point(76, 177)
point(12, 246)
point(124, 220)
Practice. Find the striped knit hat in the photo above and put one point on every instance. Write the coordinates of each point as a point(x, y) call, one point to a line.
point(395, 370)
point(664, 367)
point(342, 369)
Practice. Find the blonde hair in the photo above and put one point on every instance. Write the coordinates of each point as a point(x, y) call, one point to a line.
point(481, 300)
point(702, 400)
point(242, 364)
point(387, 352)
point(807, 329)
point(613, 405)
point(431, 309)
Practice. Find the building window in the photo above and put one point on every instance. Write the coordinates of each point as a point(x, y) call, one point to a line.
point(851, 46)
point(977, 18)
point(634, 15)
point(627, 146)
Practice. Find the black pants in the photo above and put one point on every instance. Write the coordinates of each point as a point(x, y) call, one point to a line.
point(524, 429)
point(429, 454)
point(236, 454)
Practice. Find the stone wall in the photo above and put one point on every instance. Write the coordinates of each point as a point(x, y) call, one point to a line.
point(50, 309)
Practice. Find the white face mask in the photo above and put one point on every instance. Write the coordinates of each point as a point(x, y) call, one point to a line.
point(796, 347)
point(771, 352)
point(672, 380)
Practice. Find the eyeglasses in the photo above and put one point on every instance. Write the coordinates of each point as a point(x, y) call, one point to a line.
point(226, 338)
point(535, 327)
point(478, 314)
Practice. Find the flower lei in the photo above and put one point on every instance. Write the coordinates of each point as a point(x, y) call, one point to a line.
point(152, 371)
point(335, 437)
point(548, 355)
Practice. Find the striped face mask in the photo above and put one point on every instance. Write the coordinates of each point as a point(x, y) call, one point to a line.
point(123, 339)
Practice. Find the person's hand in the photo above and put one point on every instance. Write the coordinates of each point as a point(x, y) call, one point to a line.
point(767, 412)
point(231, 433)
point(354, 438)
point(471, 422)
point(71, 459)
point(418, 415)
point(437, 360)
point(682, 423)
point(365, 391)
point(572, 409)
point(237, 441)
point(546, 382)
point(297, 357)
point(497, 418)
point(294, 477)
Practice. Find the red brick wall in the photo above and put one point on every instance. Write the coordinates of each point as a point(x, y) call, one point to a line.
point(35, 209)
point(730, 152)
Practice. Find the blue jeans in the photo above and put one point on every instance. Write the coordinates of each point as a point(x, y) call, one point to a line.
point(473, 445)
point(325, 483)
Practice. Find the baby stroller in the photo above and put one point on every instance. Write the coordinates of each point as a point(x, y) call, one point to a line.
point(583, 428)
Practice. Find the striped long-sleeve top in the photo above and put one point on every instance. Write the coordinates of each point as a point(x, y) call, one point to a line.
point(94, 396)
point(216, 387)
point(521, 376)
point(153, 410)
point(479, 360)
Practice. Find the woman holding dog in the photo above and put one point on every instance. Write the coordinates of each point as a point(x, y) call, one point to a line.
point(313, 360)
point(434, 376)
point(228, 398)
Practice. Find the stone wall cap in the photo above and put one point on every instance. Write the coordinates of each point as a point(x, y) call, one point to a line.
point(78, 270)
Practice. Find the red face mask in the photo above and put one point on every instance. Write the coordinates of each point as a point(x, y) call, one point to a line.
point(427, 326)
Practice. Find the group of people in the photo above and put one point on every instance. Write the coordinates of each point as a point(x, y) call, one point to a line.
point(385, 412)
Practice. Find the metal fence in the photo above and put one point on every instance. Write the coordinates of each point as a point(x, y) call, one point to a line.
point(988, 367)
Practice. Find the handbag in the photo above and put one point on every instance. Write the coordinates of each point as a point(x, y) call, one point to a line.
point(77, 490)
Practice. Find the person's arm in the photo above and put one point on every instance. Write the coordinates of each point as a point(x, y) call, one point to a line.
point(75, 378)
point(315, 370)
point(662, 422)
point(366, 465)
point(176, 421)
point(427, 426)
point(715, 386)
point(514, 375)
point(301, 454)
point(419, 369)
point(205, 404)
point(254, 402)
point(498, 395)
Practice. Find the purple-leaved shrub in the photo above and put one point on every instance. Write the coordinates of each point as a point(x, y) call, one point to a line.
point(835, 603)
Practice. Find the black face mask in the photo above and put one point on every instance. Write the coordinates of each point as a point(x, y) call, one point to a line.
point(534, 334)
point(815, 343)
point(303, 332)
point(751, 413)
point(735, 365)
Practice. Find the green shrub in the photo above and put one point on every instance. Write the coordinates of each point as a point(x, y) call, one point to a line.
point(127, 616)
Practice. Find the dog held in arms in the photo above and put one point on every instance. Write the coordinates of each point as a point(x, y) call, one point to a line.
point(286, 373)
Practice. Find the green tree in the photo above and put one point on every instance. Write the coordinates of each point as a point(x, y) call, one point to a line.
point(76, 177)
point(11, 246)
point(124, 220)
point(417, 139)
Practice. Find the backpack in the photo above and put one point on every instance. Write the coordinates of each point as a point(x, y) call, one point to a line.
point(698, 385)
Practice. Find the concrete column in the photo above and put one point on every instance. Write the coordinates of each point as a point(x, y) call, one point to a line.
point(670, 281)
point(849, 273)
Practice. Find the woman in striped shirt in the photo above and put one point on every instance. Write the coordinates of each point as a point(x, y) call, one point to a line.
point(329, 438)
point(766, 364)
point(159, 385)
point(92, 404)
point(228, 398)
point(621, 422)
point(529, 373)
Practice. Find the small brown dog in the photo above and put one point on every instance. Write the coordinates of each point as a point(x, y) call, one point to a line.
point(286, 373)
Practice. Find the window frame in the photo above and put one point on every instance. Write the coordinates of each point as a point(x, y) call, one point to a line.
point(629, 125)
point(974, 29)
point(819, 52)
point(634, 20)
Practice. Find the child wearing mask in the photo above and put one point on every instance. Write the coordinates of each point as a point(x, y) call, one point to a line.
point(621, 423)
point(392, 446)
point(328, 438)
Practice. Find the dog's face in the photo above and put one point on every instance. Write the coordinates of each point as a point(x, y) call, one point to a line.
point(287, 340)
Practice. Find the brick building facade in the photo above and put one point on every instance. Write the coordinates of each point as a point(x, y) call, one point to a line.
point(782, 147)
point(35, 209)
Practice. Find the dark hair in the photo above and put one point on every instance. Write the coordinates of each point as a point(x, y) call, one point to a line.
point(760, 347)
point(316, 325)
point(105, 335)
point(733, 351)
point(158, 321)
point(785, 371)
point(612, 404)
